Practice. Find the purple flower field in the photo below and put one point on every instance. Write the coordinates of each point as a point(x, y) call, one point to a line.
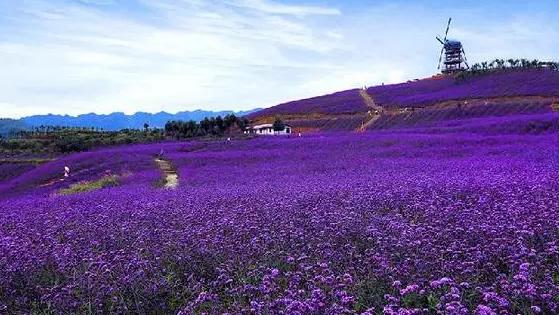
point(344, 102)
point(368, 223)
point(333, 123)
point(460, 118)
point(510, 83)
point(10, 170)
point(131, 161)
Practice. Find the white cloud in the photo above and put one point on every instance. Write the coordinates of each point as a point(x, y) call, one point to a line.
point(97, 2)
point(278, 8)
point(171, 55)
point(89, 60)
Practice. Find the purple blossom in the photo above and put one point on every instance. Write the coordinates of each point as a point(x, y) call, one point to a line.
point(323, 224)
point(484, 310)
point(409, 289)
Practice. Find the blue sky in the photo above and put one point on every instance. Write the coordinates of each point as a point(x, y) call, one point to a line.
point(81, 56)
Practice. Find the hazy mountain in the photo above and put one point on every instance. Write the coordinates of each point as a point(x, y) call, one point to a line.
point(116, 121)
point(10, 126)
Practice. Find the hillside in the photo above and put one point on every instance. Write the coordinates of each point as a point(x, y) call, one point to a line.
point(506, 83)
point(419, 102)
point(344, 102)
point(455, 113)
point(338, 111)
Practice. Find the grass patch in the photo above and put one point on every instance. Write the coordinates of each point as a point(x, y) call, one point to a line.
point(107, 181)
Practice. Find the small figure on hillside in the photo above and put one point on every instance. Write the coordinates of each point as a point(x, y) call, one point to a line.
point(229, 139)
point(66, 171)
point(299, 135)
point(161, 152)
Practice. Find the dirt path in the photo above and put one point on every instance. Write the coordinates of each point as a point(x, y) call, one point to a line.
point(375, 111)
point(171, 176)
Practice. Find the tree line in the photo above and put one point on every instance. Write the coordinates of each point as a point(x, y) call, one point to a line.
point(54, 139)
point(214, 126)
point(502, 64)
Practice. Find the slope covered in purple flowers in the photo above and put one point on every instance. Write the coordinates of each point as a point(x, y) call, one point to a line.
point(377, 222)
point(515, 91)
point(505, 83)
point(457, 115)
point(128, 162)
point(344, 102)
point(10, 170)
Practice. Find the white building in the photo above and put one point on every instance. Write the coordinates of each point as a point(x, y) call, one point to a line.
point(268, 129)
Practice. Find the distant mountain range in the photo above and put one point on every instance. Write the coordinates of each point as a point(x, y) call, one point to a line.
point(8, 126)
point(114, 121)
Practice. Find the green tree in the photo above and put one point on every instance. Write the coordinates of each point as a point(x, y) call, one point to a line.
point(278, 125)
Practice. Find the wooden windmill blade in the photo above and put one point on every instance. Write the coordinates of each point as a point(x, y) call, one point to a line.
point(465, 59)
point(443, 42)
point(447, 28)
point(440, 58)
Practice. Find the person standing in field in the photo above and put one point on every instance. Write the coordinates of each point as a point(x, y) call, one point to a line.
point(66, 171)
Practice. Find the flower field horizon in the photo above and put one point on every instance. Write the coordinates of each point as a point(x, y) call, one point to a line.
point(339, 223)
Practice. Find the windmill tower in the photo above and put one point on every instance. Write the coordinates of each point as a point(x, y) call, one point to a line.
point(454, 55)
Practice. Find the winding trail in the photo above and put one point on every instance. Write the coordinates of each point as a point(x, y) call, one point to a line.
point(171, 176)
point(374, 113)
